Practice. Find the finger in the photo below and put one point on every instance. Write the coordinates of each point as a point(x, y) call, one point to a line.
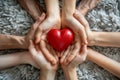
point(83, 35)
point(39, 31)
point(83, 52)
point(66, 52)
point(62, 53)
point(81, 19)
point(32, 48)
point(36, 24)
point(65, 60)
point(54, 54)
point(37, 36)
point(58, 54)
point(74, 52)
point(46, 53)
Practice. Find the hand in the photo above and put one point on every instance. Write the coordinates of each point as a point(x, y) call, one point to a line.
point(83, 21)
point(87, 5)
point(43, 28)
point(71, 52)
point(48, 70)
point(79, 31)
point(79, 58)
point(40, 59)
point(31, 33)
point(49, 23)
point(70, 69)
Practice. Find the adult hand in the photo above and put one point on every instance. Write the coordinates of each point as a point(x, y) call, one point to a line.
point(49, 23)
point(68, 54)
point(79, 58)
point(80, 35)
point(87, 5)
point(70, 69)
point(40, 59)
point(83, 21)
point(31, 33)
point(48, 70)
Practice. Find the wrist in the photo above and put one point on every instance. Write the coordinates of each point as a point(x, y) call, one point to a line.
point(25, 58)
point(94, 39)
point(52, 7)
point(54, 17)
point(19, 41)
point(22, 42)
point(68, 7)
point(70, 74)
point(47, 74)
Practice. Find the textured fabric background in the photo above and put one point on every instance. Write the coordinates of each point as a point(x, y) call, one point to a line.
point(15, 20)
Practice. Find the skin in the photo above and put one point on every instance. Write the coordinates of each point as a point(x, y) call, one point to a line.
point(103, 61)
point(99, 38)
point(68, 20)
point(32, 7)
point(48, 70)
point(22, 42)
point(53, 20)
point(92, 55)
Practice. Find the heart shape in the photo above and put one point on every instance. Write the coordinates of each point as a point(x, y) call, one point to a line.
point(60, 39)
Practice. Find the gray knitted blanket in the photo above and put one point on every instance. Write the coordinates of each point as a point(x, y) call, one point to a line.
point(105, 17)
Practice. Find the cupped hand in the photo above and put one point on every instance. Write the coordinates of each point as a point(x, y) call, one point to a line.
point(79, 58)
point(84, 22)
point(48, 23)
point(40, 59)
point(31, 34)
point(80, 37)
point(68, 54)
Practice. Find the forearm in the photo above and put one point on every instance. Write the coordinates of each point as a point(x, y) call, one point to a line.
point(47, 75)
point(32, 7)
point(111, 39)
point(11, 42)
point(70, 74)
point(105, 62)
point(52, 7)
point(68, 7)
point(13, 59)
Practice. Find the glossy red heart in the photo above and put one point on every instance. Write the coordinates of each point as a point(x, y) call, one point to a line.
point(60, 39)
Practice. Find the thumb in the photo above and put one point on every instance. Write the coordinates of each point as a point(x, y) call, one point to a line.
point(32, 48)
point(81, 19)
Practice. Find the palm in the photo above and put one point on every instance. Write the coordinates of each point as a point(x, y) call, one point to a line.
point(40, 59)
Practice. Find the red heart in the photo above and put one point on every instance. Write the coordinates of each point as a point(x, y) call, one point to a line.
point(60, 39)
